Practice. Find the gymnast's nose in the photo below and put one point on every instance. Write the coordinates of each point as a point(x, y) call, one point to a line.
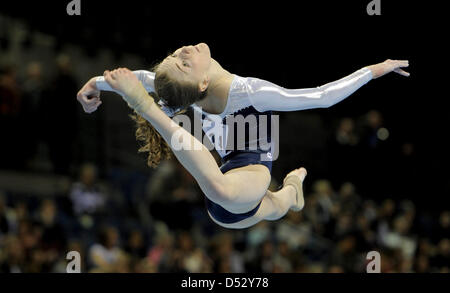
point(186, 49)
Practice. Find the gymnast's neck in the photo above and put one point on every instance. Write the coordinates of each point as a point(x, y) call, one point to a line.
point(218, 89)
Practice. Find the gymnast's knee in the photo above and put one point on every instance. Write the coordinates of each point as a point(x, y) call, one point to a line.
point(221, 192)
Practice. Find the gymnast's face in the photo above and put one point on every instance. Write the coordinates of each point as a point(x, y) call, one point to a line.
point(190, 64)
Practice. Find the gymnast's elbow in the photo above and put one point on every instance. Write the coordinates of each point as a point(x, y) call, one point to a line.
point(324, 103)
point(322, 99)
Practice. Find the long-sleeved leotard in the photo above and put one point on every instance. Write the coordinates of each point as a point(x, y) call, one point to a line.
point(265, 96)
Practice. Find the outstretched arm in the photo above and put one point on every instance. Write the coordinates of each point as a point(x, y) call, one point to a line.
point(267, 96)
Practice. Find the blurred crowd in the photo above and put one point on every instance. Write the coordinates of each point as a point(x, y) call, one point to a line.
point(333, 233)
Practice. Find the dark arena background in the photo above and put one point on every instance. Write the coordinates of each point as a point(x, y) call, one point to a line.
point(377, 162)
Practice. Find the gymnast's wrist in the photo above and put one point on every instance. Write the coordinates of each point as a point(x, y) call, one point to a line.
point(93, 83)
point(139, 99)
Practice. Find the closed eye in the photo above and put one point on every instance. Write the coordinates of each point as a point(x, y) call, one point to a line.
point(185, 64)
point(179, 68)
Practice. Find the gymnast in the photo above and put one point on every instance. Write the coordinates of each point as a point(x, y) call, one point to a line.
point(236, 193)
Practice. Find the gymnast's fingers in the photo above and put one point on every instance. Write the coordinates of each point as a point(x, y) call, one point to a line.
point(401, 72)
point(401, 63)
point(109, 78)
point(83, 98)
point(92, 108)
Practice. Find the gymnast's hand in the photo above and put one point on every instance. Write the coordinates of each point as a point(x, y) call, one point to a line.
point(132, 90)
point(89, 96)
point(387, 66)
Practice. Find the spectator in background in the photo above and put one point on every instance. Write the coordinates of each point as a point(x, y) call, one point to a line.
point(265, 261)
point(159, 254)
point(323, 206)
point(365, 236)
point(400, 238)
point(12, 255)
point(385, 216)
point(345, 256)
point(422, 264)
point(29, 235)
point(16, 215)
point(88, 196)
point(135, 246)
point(344, 225)
point(198, 262)
point(106, 256)
point(348, 198)
point(53, 241)
point(283, 259)
point(424, 253)
point(369, 210)
point(443, 227)
point(424, 247)
point(294, 230)
point(441, 261)
point(186, 257)
point(257, 234)
point(224, 255)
